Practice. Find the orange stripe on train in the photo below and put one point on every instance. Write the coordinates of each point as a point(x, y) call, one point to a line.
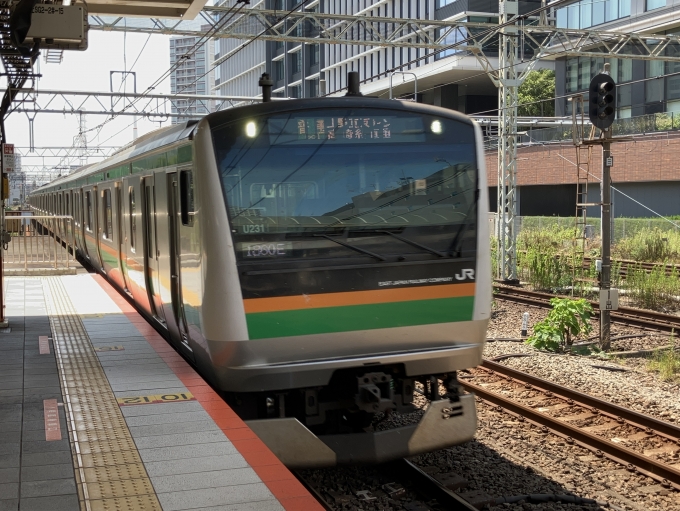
point(402, 294)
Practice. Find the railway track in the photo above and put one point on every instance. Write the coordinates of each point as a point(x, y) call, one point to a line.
point(624, 315)
point(625, 266)
point(404, 483)
point(638, 442)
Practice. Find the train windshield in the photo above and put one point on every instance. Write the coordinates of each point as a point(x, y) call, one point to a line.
point(341, 183)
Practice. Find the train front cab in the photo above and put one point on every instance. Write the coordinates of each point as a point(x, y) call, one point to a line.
point(281, 330)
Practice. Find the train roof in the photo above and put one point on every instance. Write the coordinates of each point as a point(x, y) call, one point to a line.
point(144, 144)
point(171, 134)
point(225, 116)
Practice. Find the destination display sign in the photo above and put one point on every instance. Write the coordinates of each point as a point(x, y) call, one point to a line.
point(347, 129)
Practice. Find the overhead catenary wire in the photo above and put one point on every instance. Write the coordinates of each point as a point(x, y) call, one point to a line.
point(240, 48)
point(489, 32)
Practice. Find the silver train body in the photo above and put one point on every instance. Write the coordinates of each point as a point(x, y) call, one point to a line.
point(314, 259)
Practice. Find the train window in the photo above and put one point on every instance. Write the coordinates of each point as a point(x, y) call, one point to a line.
point(133, 219)
point(294, 178)
point(67, 212)
point(108, 215)
point(186, 190)
point(148, 200)
point(88, 220)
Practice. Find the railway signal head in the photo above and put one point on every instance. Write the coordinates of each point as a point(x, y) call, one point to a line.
point(602, 101)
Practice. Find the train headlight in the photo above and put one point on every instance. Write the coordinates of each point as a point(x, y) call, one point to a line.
point(251, 129)
point(436, 127)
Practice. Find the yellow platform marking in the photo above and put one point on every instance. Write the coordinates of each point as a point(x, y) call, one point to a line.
point(158, 398)
point(110, 474)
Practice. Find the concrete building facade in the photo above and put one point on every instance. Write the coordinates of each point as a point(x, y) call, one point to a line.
point(573, 74)
point(193, 75)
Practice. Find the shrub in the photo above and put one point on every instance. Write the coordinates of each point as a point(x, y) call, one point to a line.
point(653, 245)
point(567, 319)
point(666, 363)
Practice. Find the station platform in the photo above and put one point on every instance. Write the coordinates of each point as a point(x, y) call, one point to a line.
point(99, 412)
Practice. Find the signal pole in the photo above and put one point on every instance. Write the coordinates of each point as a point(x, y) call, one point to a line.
point(602, 112)
point(606, 228)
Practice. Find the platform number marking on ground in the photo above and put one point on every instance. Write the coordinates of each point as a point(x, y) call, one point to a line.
point(158, 398)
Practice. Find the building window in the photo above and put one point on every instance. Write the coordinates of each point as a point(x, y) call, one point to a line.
point(654, 89)
point(655, 4)
point(589, 13)
point(294, 92)
point(296, 62)
point(672, 82)
point(314, 55)
point(313, 88)
point(278, 70)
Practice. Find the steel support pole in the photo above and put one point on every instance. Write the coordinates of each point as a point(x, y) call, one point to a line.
point(3, 320)
point(606, 228)
point(507, 142)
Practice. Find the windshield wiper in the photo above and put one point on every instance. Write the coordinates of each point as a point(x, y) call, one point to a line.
point(457, 240)
point(415, 244)
point(352, 247)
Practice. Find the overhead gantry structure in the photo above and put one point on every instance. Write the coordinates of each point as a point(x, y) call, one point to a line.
point(519, 41)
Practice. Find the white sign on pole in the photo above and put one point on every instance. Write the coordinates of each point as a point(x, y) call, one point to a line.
point(609, 299)
point(8, 157)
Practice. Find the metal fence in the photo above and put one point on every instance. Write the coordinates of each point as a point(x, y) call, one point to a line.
point(641, 125)
point(36, 242)
point(621, 228)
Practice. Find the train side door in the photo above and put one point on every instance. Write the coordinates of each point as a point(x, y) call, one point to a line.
point(177, 307)
point(135, 264)
point(151, 250)
point(91, 226)
point(120, 231)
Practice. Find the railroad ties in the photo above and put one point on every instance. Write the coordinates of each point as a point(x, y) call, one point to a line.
point(624, 315)
point(638, 442)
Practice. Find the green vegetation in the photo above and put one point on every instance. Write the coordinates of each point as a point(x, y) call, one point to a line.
point(540, 257)
point(653, 289)
point(666, 363)
point(567, 319)
point(652, 245)
point(549, 258)
point(538, 89)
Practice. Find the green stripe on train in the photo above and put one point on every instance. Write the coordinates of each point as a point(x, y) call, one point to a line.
point(264, 325)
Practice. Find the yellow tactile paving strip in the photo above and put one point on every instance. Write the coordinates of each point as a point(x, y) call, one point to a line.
point(109, 472)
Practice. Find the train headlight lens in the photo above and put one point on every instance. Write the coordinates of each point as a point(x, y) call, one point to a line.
point(251, 129)
point(436, 127)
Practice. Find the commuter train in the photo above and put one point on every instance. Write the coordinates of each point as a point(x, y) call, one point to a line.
point(317, 260)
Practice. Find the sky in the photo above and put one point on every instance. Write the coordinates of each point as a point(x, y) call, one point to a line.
point(90, 71)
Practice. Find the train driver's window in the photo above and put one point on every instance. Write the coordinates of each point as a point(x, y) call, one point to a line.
point(133, 219)
point(186, 190)
point(108, 215)
point(88, 219)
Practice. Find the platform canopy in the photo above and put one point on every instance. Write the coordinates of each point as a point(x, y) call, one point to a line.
point(185, 9)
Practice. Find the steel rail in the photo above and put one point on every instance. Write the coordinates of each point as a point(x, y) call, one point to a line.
point(670, 431)
point(666, 474)
point(625, 315)
point(425, 484)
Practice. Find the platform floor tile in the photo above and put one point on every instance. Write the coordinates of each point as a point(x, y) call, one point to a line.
point(34, 473)
point(195, 452)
